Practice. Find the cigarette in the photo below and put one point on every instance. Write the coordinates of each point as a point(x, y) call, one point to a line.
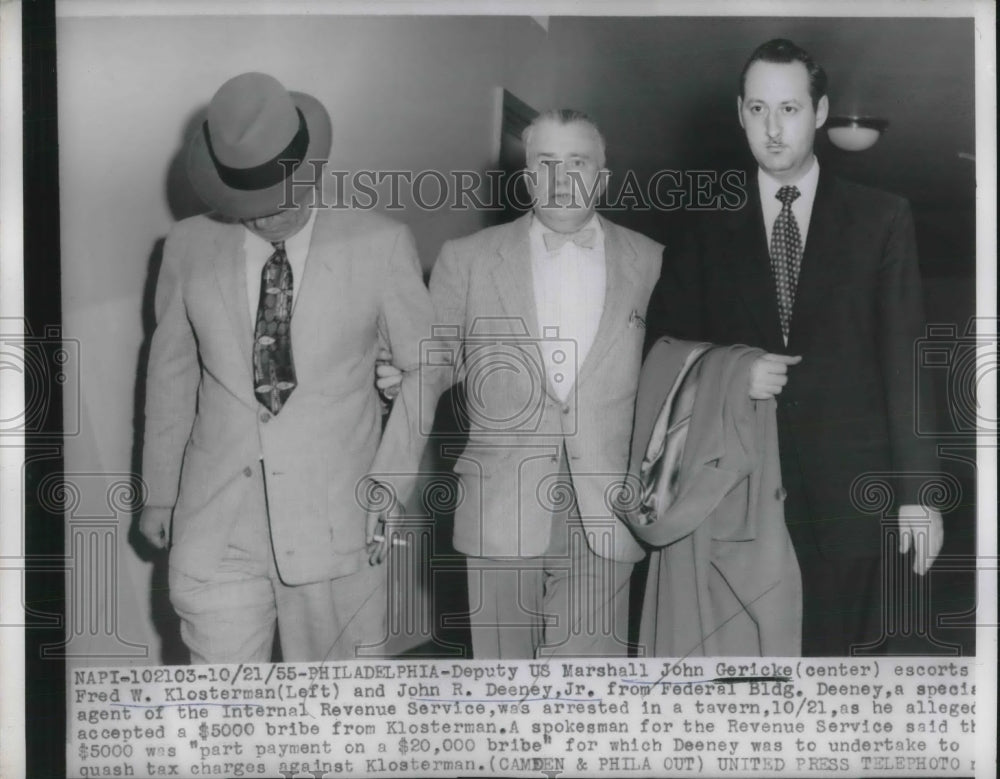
point(395, 541)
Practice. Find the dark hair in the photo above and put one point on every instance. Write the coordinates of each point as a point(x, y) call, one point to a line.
point(782, 50)
point(564, 116)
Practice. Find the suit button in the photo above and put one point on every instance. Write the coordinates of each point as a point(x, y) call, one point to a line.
point(248, 471)
point(780, 493)
point(554, 459)
point(565, 409)
point(265, 417)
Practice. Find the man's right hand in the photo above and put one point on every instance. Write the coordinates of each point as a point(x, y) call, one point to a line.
point(379, 527)
point(388, 377)
point(154, 524)
point(769, 374)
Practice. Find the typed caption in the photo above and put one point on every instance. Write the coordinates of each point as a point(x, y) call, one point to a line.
point(752, 717)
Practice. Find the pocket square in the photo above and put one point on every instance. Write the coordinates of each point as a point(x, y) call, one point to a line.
point(635, 320)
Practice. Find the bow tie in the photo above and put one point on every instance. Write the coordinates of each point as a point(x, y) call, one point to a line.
point(585, 238)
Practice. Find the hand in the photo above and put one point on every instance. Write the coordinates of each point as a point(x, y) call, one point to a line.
point(154, 524)
point(922, 529)
point(379, 525)
point(388, 377)
point(769, 374)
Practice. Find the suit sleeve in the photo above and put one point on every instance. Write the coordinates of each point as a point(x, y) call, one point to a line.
point(449, 288)
point(172, 380)
point(901, 324)
point(405, 320)
point(675, 306)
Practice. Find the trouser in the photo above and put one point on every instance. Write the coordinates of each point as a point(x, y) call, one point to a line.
point(841, 605)
point(841, 596)
point(230, 616)
point(569, 602)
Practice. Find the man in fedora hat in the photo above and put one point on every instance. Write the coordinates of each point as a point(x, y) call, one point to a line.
point(262, 418)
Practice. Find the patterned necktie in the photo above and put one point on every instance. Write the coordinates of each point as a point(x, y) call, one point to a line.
point(786, 256)
point(585, 238)
point(273, 368)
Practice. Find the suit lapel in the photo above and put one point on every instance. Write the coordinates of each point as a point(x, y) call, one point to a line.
point(310, 299)
point(514, 279)
point(231, 275)
point(752, 269)
point(621, 277)
point(827, 226)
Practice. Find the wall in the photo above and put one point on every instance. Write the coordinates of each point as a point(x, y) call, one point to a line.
point(403, 93)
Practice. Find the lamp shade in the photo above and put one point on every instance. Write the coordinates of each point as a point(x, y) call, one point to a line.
point(854, 133)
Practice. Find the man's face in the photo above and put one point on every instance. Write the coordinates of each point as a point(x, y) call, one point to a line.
point(777, 114)
point(565, 174)
point(282, 225)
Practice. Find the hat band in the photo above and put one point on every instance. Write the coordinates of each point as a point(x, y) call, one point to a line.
point(269, 173)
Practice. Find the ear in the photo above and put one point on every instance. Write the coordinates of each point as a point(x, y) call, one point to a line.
point(739, 109)
point(822, 111)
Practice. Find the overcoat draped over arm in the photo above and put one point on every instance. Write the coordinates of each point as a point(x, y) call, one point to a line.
point(723, 576)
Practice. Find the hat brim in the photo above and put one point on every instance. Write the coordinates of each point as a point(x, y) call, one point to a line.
point(248, 204)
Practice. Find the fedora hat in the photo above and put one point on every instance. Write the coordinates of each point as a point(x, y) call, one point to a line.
point(255, 137)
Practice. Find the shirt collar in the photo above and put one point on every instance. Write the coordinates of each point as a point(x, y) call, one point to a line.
point(768, 185)
point(297, 245)
point(536, 229)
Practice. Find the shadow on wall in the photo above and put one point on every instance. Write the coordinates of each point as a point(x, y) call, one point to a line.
point(172, 650)
point(181, 197)
point(183, 203)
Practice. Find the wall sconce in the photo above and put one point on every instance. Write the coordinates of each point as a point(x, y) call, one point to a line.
point(854, 133)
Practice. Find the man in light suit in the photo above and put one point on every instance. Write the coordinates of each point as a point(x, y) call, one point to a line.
point(262, 419)
point(543, 320)
point(822, 274)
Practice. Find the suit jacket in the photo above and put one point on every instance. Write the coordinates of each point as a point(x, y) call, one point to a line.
point(723, 577)
point(211, 449)
point(848, 407)
point(483, 296)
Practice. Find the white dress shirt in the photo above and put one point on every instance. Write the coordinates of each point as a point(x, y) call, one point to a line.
point(258, 251)
point(802, 206)
point(569, 285)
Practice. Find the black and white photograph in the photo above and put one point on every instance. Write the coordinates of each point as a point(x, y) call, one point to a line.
point(440, 389)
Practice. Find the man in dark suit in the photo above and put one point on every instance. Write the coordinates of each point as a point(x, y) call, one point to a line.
point(823, 274)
